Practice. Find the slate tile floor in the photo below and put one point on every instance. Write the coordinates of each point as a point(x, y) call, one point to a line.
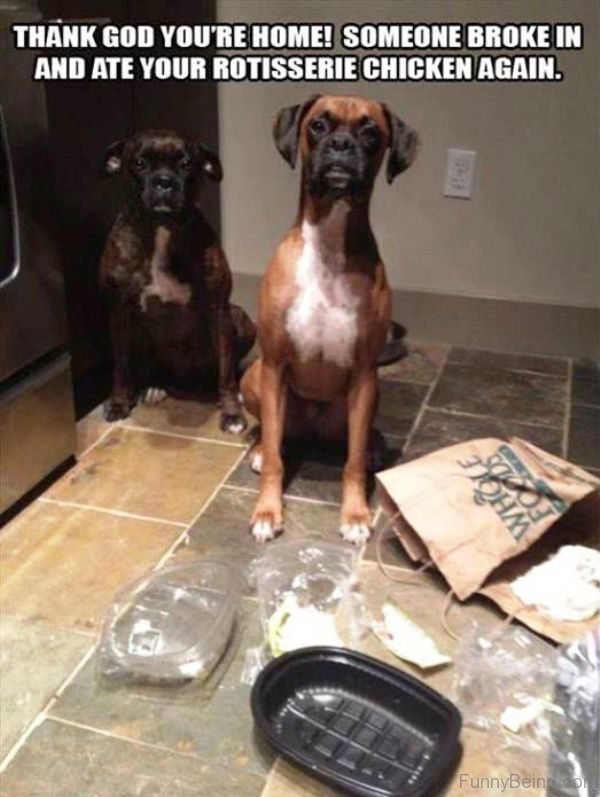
point(167, 485)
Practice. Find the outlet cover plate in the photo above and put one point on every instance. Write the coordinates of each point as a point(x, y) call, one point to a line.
point(460, 168)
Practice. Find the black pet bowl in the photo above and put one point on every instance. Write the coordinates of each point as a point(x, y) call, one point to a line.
point(394, 348)
point(356, 723)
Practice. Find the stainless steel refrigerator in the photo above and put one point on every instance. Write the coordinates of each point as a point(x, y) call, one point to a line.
point(37, 423)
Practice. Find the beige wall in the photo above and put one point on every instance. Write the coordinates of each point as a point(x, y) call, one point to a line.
point(530, 232)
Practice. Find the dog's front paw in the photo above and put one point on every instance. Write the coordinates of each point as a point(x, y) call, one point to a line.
point(256, 459)
point(234, 423)
point(154, 396)
point(117, 409)
point(355, 526)
point(356, 533)
point(266, 523)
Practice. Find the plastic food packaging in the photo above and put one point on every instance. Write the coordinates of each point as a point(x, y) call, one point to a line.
point(509, 669)
point(541, 704)
point(361, 725)
point(171, 626)
point(573, 760)
point(307, 595)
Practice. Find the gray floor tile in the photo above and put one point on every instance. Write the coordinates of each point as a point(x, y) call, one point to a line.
point(35, 658)
point(421, 365)
point(399, 405)
point(437, 429)
point(586, 383)
point(584, 435)
point(60, 760)
point(211, 721)
point(314, 471)
point(510, 395)
point(224, 528)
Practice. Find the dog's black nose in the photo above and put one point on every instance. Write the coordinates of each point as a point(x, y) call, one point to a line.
point(163, 182)
point(341, 142)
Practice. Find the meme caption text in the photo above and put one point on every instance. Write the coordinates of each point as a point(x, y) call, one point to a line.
point(223, 52)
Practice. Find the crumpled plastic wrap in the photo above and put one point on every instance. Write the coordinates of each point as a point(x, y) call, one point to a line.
point(308, 595)
point(538, 703)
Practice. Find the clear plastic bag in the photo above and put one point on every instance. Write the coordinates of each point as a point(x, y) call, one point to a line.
point(308, 595)
point(573, 762)
point(170, 627)
point(538, 703)
point(511, 668)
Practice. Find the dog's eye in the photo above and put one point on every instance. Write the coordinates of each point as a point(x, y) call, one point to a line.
point(140, 164)
point(369, 132)
point(185, 162)
point(318, 126)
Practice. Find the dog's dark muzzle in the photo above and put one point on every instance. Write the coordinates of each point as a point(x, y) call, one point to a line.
point(164, 192)
point(338, 167)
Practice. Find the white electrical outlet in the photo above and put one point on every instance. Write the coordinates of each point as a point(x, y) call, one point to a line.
point(460, 168)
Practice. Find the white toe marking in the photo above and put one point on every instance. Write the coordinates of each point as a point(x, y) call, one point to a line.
point(263, 531)
point(154, 395)
point(235, 428)
point(256, 462)
point(356, 533)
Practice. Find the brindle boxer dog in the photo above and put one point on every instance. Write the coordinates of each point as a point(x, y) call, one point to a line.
point(325, 301)
point(168, 281)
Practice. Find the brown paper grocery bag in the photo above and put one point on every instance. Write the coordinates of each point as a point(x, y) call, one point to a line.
point(472, 506)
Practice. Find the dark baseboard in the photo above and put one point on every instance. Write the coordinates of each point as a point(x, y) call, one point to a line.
point(494, 324)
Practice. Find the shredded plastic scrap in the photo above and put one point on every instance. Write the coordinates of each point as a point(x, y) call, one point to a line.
point(292, 626)
point(407, 640)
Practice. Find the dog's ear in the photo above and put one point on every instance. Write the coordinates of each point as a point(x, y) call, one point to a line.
point(286, 130)
point(404, 145)
point(113, 158)
point(209, 163)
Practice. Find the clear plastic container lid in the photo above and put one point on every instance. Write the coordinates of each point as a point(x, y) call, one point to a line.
point(173, 624)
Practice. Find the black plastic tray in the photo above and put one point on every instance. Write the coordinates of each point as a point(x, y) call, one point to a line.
point(357, 723)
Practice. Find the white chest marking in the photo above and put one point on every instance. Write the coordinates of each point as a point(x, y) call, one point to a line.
point(322, 321)
point(162, 283)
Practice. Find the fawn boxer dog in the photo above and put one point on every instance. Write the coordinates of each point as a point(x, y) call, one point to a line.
point(325, 301)
point(168, 281)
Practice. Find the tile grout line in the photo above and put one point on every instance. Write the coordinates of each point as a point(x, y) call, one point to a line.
point(42, 715)
point(29, 729)
point(139, 742)
point(424, 407)
point(567, 418)
point(177, 435)
point(286, 497)
point(492, 417)
point(513, 370)
point(185, 533)
point(114, 512)
point(70, 678)
point(93, 445)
